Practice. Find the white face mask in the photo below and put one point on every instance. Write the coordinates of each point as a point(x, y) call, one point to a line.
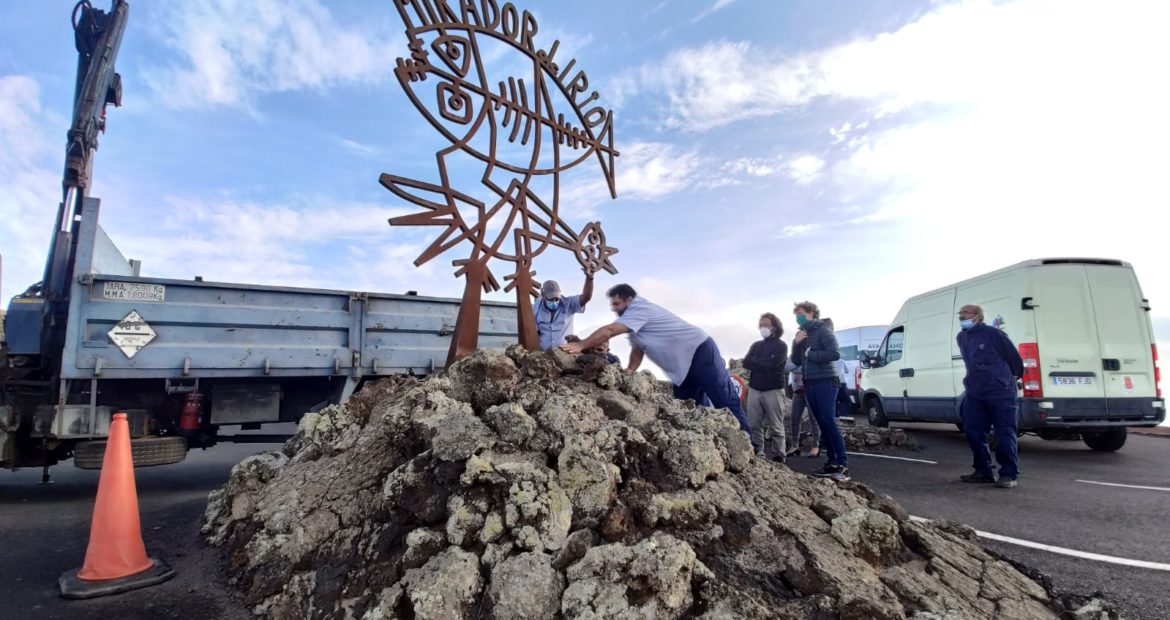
point(765, 332)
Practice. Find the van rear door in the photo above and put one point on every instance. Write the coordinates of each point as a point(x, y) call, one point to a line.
point(1123, 331)
point(1066, 330)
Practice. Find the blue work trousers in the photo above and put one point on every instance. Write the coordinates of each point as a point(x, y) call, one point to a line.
point(821, 395)
point(709, 381)
point(980, 415)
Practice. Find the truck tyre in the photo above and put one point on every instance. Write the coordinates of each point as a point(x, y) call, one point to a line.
point(875, 413)
point(146, 452)
point(1109, 440)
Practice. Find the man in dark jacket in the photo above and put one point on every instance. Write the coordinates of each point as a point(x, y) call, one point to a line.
point(993, 365)
point(821, 382)
point(765, 405)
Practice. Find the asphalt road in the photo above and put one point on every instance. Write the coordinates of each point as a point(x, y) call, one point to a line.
point(1050, 506)
point(44, 529)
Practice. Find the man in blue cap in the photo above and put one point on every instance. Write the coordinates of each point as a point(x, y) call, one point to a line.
point(554, 312)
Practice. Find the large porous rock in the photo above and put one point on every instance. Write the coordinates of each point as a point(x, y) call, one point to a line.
point(541, 485)
point(871, 535)
point(649, 580)
point(447, 586)
point(485, 378)
point(526, 587)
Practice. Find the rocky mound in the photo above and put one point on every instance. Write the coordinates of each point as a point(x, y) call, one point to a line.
point(858, 438)
point(519, 485)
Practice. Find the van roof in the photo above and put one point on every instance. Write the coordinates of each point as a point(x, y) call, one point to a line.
point(1035, 262)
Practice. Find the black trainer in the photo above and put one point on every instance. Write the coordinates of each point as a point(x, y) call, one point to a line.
point(828, 470)
point(841, 475)
point(978, 478)
point(1006, 483)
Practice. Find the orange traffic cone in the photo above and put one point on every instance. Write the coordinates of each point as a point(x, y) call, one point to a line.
point(116, 559)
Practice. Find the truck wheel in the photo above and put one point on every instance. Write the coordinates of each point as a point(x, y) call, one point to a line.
point(1109, 440)
point(146, 452)
point(875, 413)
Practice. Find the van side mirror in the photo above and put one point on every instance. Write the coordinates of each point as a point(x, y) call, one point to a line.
point(866, 360)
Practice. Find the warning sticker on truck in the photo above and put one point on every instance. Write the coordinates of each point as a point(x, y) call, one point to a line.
point(134, 291)
point(131, 334)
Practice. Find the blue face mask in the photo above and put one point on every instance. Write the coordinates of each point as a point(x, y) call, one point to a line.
point(801, 320)
point(552, 304)
point(966, 324)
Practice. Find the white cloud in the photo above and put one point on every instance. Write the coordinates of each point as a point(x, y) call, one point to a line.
point(753, 166)
point(803, 169)
point(955, 54)
point(31, 149)
point(717, 6)
point(646, 171)
point(235, 50)
point(798, 230)
point(300, 243)
point(357, 147)
point(717, 84)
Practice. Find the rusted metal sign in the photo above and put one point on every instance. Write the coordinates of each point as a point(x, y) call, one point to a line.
point(526, 130)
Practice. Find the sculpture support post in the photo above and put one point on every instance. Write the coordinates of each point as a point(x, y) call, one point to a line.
point(522, 281)
point(525, 320)
point(465, 340)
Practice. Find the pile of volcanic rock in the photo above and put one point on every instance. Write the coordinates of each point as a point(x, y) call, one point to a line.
point(521, 485)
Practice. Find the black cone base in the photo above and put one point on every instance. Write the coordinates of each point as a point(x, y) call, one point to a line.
point(74, 588)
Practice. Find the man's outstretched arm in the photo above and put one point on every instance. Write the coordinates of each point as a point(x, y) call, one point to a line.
point(603, 334)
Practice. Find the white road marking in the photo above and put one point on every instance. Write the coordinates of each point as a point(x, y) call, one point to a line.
point(896, 458)
point(1127, 486)
point(1069, 552)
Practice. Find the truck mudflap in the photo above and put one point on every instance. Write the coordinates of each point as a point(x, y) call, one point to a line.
point(1082, 413)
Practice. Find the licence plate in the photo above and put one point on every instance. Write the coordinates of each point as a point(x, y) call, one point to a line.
point(1072, 380)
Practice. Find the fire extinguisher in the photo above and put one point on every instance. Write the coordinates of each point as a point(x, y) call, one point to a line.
point(192, 411)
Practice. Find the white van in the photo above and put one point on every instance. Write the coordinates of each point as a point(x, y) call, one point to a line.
point(855, 341)
point(1082, 327)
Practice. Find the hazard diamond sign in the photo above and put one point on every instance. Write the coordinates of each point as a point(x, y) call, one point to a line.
point(131, 334)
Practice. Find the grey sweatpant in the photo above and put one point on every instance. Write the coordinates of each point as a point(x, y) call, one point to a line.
point(799, 407)
point(765, 412)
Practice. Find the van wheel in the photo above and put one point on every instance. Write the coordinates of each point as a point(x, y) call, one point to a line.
point(1110, 440)
point(875, 413)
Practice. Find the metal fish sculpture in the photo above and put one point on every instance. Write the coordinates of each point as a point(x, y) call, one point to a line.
point(538, 125)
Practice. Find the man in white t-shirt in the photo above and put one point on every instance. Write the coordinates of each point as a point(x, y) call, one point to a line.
point(687, 355)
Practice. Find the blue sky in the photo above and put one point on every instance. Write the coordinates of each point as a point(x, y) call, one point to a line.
point(849, 153)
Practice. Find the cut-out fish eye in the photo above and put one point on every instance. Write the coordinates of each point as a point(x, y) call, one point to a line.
point(454, 104)
point(455, 52)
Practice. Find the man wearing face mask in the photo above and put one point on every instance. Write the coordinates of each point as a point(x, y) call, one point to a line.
point(765, 405)
point(684, 352)
point(554, 313)
point(993, 365)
